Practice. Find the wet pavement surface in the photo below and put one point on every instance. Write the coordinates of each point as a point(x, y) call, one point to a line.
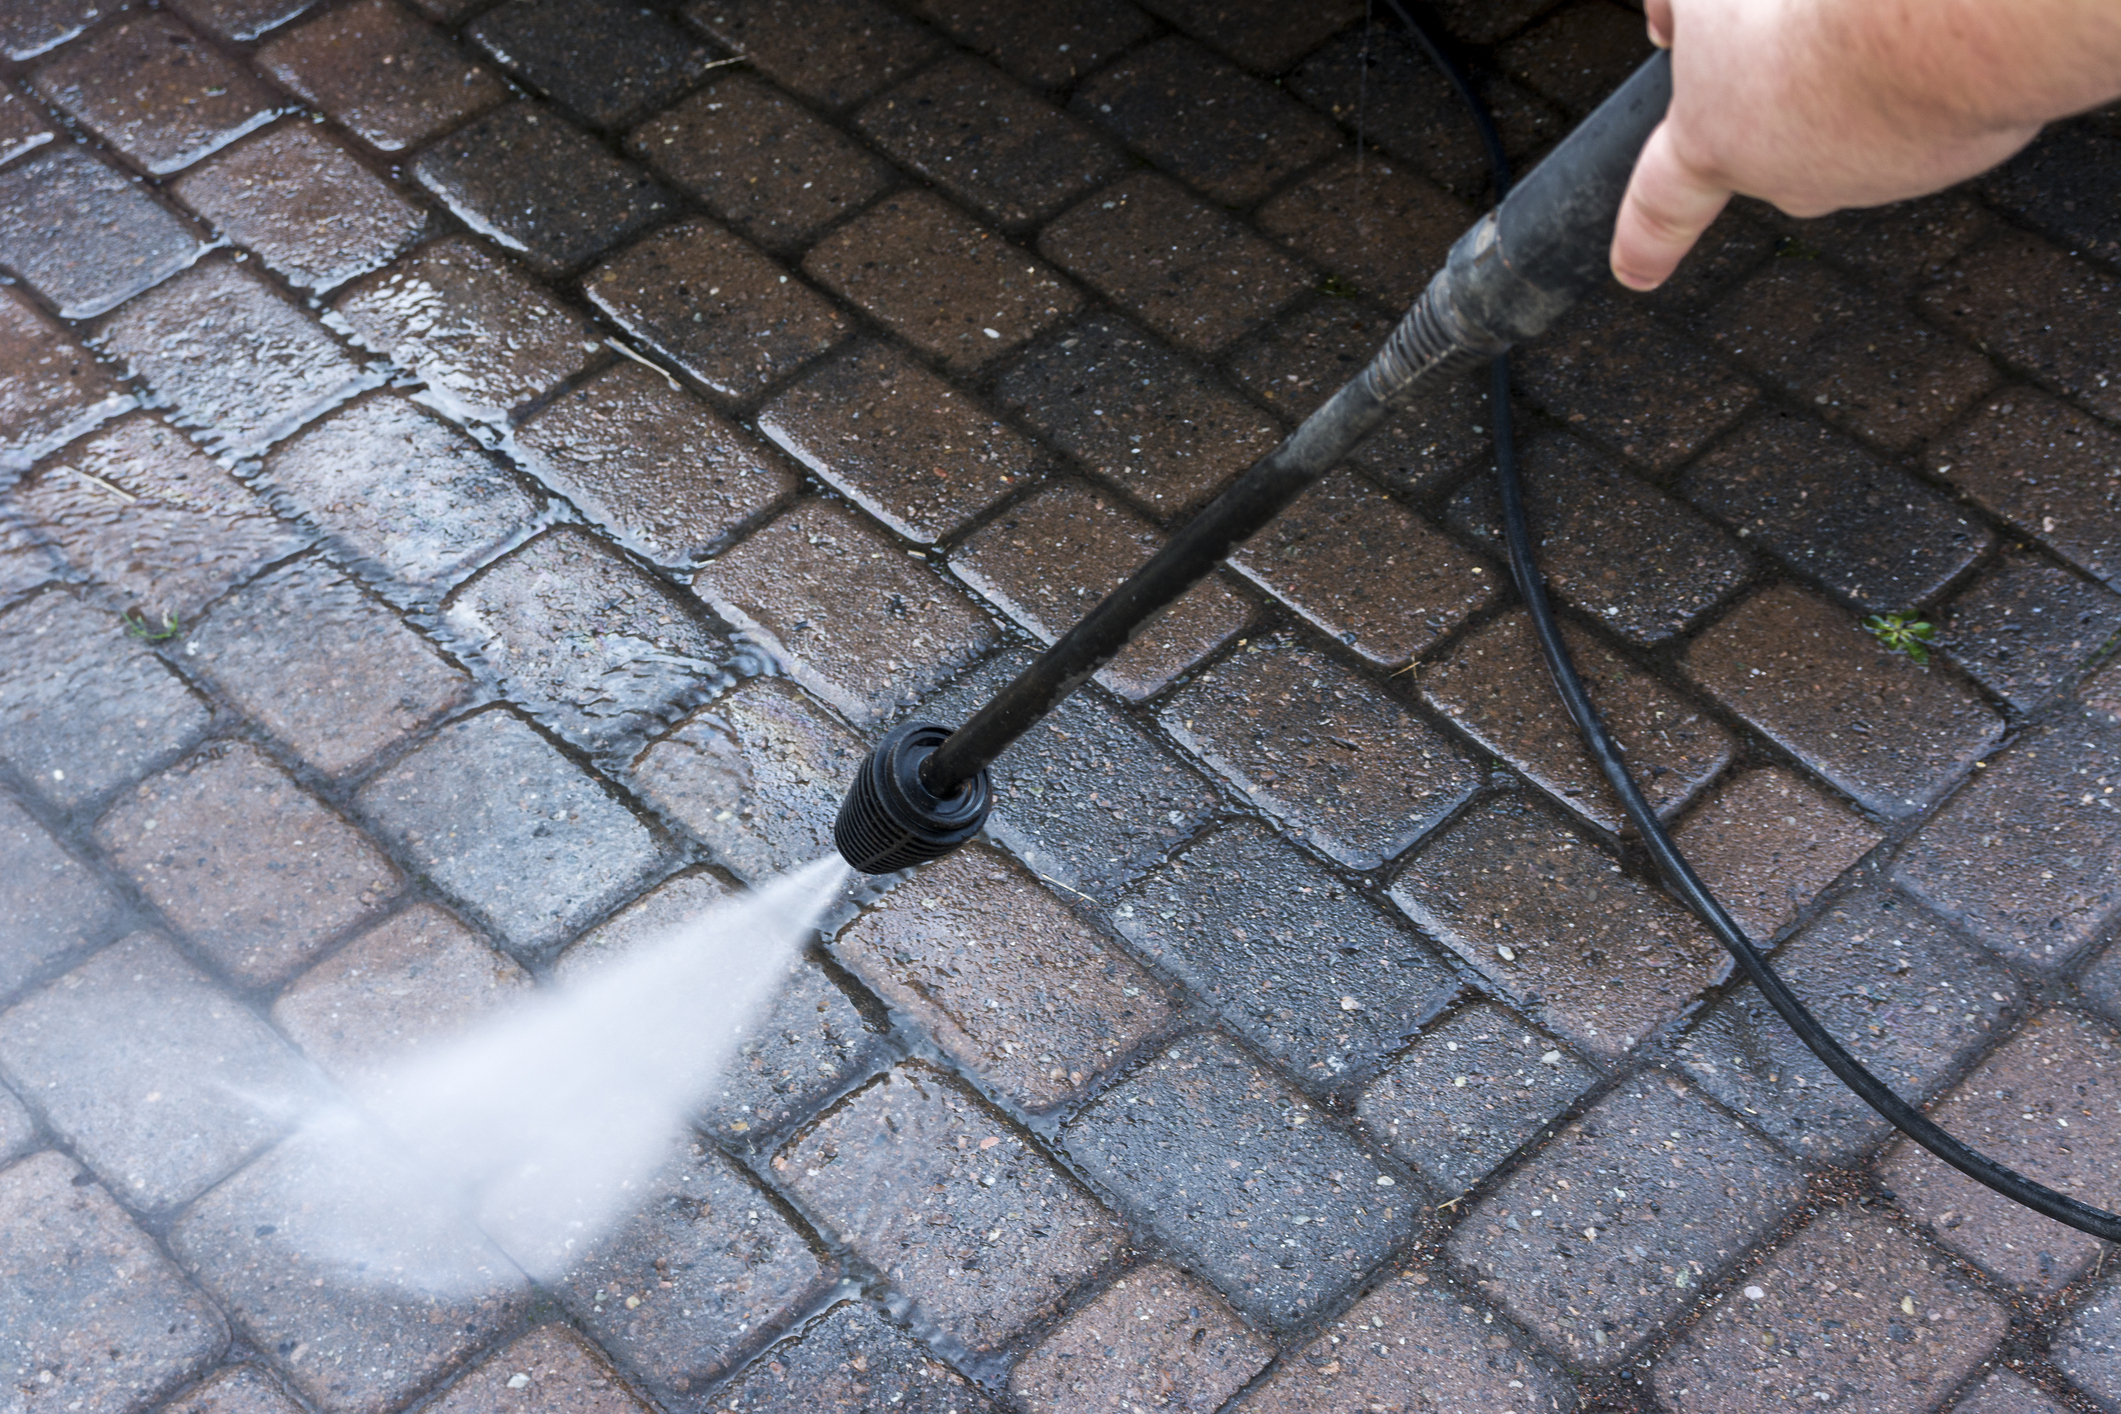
point(476, 475)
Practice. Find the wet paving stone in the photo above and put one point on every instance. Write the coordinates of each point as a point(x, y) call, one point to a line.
point(1610, 544)
point(2102, 691)
point(2088, 1350)
point(55, 905)
point(24, 125)
point(547, 1371)
point(660, 471)
point(1373, 224)
point(27, 561)
point(1899, 247)
point(2035, 307)
point(1836, 514)
point(1584, 950)
point(157, 92)
point(757, 776)
point(500, 819)
point(900, 442)
point(983, 1238)
point(935, 279)
point(1768, 842)
point(715, 306)
point(1318, 978)
point(1904, 995)
point(238, 361)
point(1186, 269)
point(609, 62)
point(1648, 1185)
point(1227, 133)
point(236, 1389)
point(32, 27)
point(2027, 625)
point(1494, 686)
point(1469, 1093)
point(844, 611)
point(1735, 244)
point(305, 207)
point(157, 1079)
point(2002, 1392)
point(832, 52)
point(88, 1301)
point(536, 185)
point(1802, 671)
point(1208, 1147)
point(1155, 1336)
point(848, 1359)
point(2048, 469)
point(354, 681)
point(2047, 185)
point(1257, 33)
point(51, 389)
point(1010, 984)
point(83, 707)
point(483, 337)
point(393, 81)
point(1579, 55)
point(141, 484)
point(760, 161)
point(18, 1132)
point(85, 237)
point(2042, 1104)
point(2028, 857)
point(988, 142)
point(411, 499)
point(239, 19)
point(1339, 762)
point(1058, 43)
point(1853, 1307)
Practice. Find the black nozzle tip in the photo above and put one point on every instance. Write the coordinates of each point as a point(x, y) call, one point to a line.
point(890, 820)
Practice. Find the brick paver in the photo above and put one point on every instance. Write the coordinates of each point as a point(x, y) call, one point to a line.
point(1768, 842)
point(2026, 626)
point(606, 61)
point(236, 1389)
point(157, 92)
point(52, 390)
point(391, 80)
point(851, 1358)
point(550, 1369)
point(1156, 1334)
point(2038, 309)
point(85, 237)
point(2047, 469)
point(55, 904)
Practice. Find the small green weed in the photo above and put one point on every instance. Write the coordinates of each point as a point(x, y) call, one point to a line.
point(138, 626)
point(1903, 633)
point(1333, 287)
point(1795, 248)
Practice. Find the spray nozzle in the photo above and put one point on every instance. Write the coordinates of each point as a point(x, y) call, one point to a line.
point(891, 819)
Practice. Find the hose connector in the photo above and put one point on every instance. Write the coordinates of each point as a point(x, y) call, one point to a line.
point(890, 820)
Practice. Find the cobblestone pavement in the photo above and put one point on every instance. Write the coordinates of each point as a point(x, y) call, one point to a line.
point(476, 475)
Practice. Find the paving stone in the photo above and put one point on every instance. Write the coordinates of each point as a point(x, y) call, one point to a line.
point(850, 1360)
point(484, 338)
point(94, 1315)
point(1319, 979)
point(51, 389)
point(54, 905)
point(832, 52)
point(2100, 983)
point(1371, 223)
point(1888, 733)
point(2046, 468)
point(1410, 1336)
point(1057, 43)
point(238, 361)
point(550, 1369)
point(83, 707)
point(2002, 1392)
point(1853, 1307)
point(1768, 841)
point(236, 1389)
point(1086, 799)
point(1609, 543)
point(156, 92)
point(266, 1245)
point(416, 978)
point(2028, 857)
point(410, 500)
point(1485, 21)
point(500, 819)
point(2046, 185)
point(239, 19)
point(1185, 268)
point(843, 612)
point(85, 237)
point(983, 1238)
point(1010, 984)
point(137, 485)
point(899, 441)
point(393, 81)
point(1588, 952)
point(1898, 247)
point(1155, 1336)
point(753, 326)
point(575, 633)
point(938, 281)
point(2026, 626)
point(988, 142)
point(609, 62)
point(2035, 307)
point(536, 185)
point(18, 1132)
point(1579, 55)
point(160, 1081)
point(1227, 133)
point(27, 560)
point(1735, 244)
point(1206, 1146)
point(1337, 761)
point(757, 775)
point(1648, 1185)
point(24, 125)
point(1257, 33)
point(1495, 687)
point(2102, 691)
point(1469, 1093)
point(31, 27)
point(352, 682)
point(309, 210)
point(2086, 1348)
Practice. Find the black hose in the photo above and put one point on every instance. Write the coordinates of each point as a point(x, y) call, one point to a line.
point(1678, 874)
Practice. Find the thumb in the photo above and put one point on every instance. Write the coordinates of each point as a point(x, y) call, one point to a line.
point(1667, 207)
